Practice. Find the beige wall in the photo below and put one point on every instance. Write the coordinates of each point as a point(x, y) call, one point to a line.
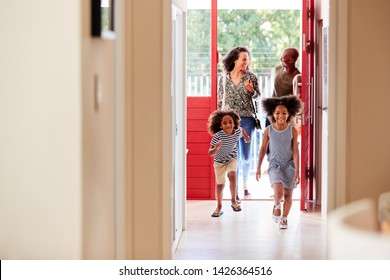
point(98, 153)
point(368, 126)
point(358, 129)
point(40, 130)
point(80, 181)
point(148, 129)
point(57, 149)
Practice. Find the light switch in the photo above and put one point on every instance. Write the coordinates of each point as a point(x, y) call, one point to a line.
point(98, 92)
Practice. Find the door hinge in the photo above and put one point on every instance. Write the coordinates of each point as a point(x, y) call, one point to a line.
point(308, 173)
point(308, 46)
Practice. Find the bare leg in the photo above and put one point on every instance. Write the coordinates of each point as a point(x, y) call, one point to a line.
point(287, 202)
point(233, 190)
point(278, 197)
point(220, 188)
point(286, 208)
point(278, 193)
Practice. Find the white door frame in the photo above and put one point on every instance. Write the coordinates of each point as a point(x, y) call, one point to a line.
point(179, 123)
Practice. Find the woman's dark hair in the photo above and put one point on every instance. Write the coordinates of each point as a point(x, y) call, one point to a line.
point(215, 120)
point(232, 55)
point(291, 102)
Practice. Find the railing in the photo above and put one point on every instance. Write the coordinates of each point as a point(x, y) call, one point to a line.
point(200, 85)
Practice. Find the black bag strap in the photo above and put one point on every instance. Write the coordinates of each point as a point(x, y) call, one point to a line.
point(254, 109)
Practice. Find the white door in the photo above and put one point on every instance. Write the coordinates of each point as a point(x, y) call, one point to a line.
point(324, 109)
point(178, 123)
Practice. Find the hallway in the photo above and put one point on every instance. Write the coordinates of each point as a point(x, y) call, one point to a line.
point(250, 234)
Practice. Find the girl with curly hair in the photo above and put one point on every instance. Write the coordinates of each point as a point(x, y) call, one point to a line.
point(226, 131)
point(281, 139)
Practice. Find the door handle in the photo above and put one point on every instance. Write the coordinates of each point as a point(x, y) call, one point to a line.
point(307, 118)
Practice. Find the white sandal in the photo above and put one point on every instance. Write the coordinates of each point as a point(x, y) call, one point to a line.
point(283, 223)
point(276, 218)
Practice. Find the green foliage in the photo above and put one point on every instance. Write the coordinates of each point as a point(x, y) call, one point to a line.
point(105, 18)
point(198, 41)
point(265, 32)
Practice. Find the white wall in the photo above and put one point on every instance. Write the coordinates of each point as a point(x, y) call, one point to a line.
point(40, 130)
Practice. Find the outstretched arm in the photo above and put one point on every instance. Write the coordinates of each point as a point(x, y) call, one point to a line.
point(262, 152)
point(295, 155)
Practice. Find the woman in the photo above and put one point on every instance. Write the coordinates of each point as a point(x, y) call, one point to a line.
point(237, 89)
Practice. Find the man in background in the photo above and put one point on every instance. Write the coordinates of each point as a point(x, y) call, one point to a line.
point(284, 75)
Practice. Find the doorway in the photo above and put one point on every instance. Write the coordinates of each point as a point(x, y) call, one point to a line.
point(232, 19)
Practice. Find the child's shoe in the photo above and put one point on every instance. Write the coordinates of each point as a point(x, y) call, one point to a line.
point(236, 207)
point(276, 218)
point(283, 223)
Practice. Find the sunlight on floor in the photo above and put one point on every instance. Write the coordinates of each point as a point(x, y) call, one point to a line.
point(251, 233)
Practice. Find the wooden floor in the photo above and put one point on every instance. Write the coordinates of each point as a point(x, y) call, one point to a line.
point(251, 234)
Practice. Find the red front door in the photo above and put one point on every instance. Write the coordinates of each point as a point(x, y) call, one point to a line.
point(200, 172)
point(307, 98)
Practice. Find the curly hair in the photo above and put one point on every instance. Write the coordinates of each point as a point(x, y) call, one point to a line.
point(215, 120)
point(291, 102)
point(232, 55)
